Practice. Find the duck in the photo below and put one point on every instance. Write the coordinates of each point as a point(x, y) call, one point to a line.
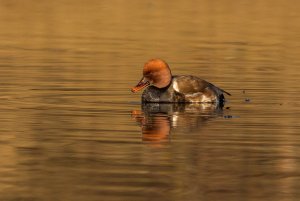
point(160, 86)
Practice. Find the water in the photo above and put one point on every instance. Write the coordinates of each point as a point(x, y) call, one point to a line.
point(72, 130)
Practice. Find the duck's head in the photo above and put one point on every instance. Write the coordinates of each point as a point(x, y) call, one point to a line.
point(156, 72)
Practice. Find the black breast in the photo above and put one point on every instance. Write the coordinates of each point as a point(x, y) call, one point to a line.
point(162, 95)
point(151, 94)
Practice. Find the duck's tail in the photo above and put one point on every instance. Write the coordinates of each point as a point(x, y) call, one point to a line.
point(226, 92)
point(221, 96)
point(220, 91)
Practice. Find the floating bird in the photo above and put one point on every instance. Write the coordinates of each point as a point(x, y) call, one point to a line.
point(161, 86)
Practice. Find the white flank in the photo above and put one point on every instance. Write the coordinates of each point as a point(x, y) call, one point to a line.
point(175, 86)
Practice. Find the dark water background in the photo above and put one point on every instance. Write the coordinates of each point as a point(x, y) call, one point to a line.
point(70, 129)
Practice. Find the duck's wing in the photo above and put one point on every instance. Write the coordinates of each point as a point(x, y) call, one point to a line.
point(187, 84)
point(193, 86)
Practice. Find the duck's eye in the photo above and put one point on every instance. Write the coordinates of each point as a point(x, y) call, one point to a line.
point(148, 75)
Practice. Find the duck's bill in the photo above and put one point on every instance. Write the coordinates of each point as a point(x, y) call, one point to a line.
point(141, 85)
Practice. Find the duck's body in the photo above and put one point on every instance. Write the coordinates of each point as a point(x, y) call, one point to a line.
point(184, 88)
point(167, 88)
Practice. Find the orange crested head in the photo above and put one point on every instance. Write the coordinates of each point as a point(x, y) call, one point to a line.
point(156, 72)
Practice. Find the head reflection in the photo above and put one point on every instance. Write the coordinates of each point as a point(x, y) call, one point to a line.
point(158, 120)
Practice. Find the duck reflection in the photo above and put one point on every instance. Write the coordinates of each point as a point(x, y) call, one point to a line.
point(158, 120)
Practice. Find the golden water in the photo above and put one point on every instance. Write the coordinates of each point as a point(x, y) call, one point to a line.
point(72, 130)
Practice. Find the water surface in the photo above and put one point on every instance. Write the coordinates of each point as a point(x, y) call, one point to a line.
point(72, 130)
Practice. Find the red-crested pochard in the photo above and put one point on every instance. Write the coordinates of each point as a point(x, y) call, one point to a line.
point(163, 87)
